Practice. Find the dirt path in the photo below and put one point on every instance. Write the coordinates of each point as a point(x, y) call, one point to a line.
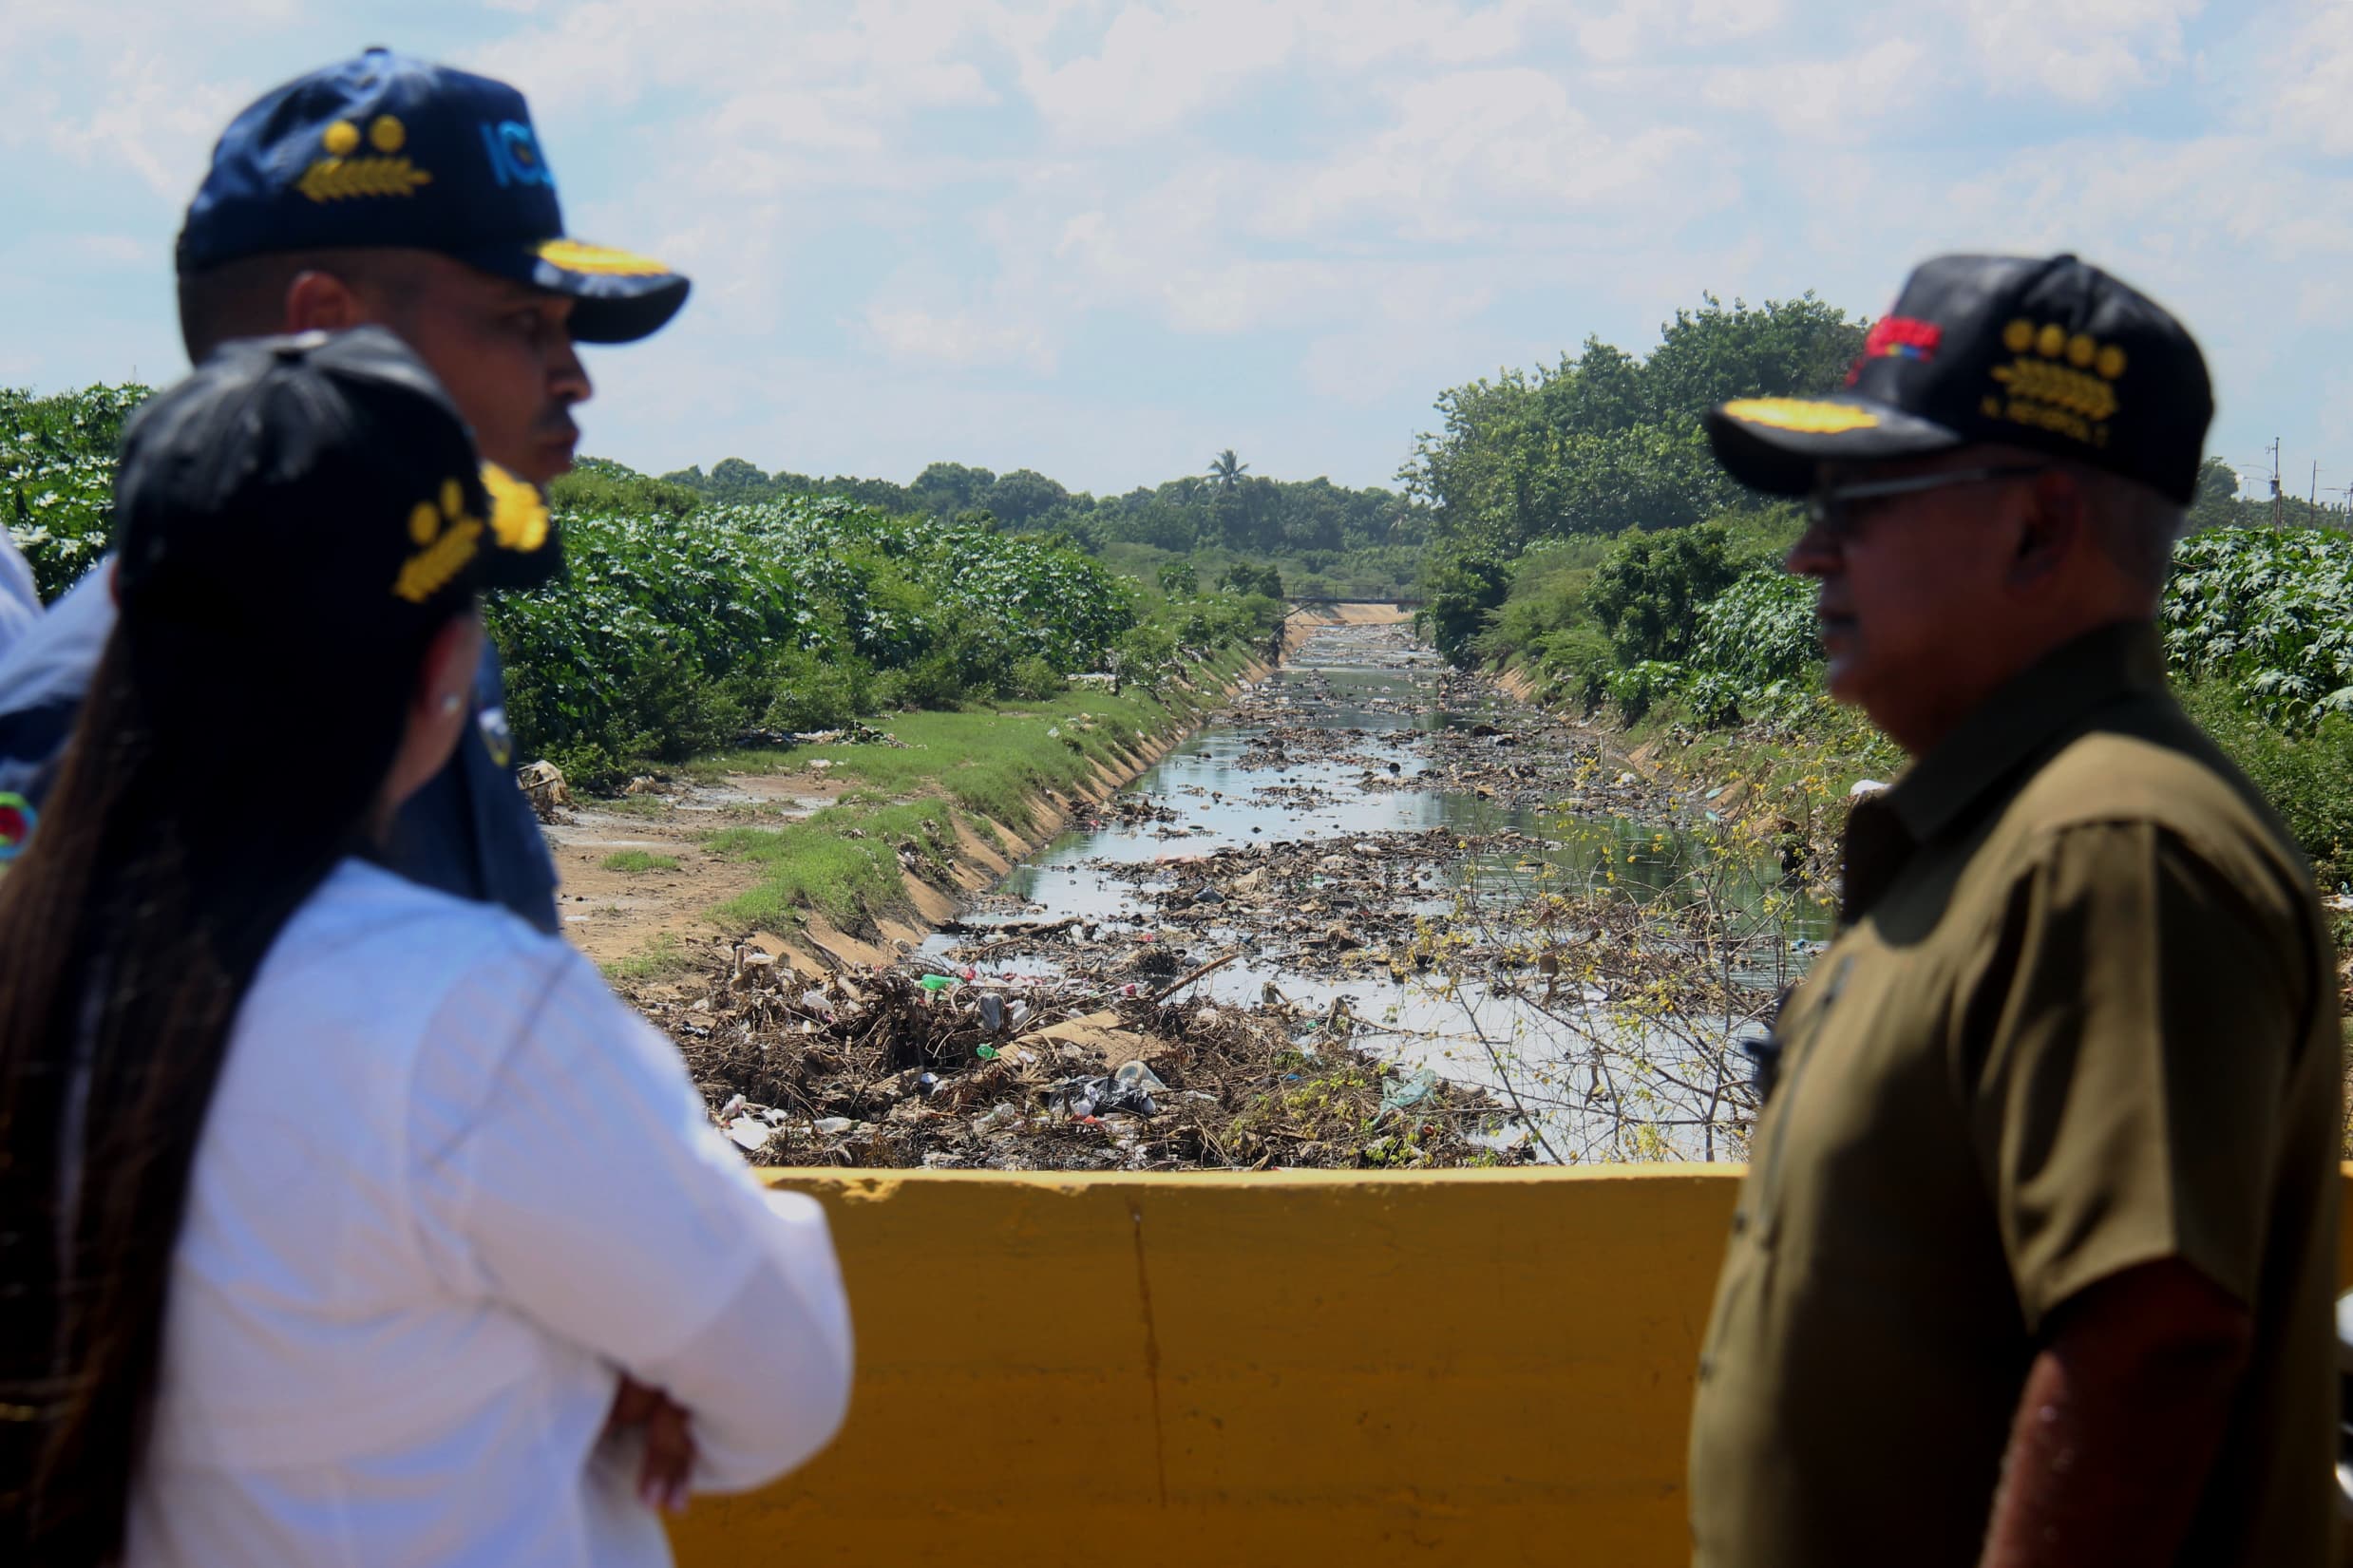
point(615, 907)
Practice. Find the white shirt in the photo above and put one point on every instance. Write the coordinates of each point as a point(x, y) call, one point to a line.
point(448, 1187)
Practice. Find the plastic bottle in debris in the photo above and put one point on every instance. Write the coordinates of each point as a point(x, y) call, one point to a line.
point(936, 982)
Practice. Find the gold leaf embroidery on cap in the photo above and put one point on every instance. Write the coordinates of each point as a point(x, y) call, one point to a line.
point(1803, 415)
point(517, 515)
point(2060, 382)
point(445, 549)
point(341, 178)
point(2055, 384)
point(572, 257)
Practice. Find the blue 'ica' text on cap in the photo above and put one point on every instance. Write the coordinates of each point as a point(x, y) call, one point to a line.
point(386, 150)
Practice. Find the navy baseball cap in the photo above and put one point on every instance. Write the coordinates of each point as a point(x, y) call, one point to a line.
point(386, 150)
point(2048, 353)
point(322, 477)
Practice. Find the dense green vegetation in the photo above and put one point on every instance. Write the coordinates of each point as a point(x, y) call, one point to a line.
point(686, 624)
point(1693, 631)
point(57, 466)
point(1324, 539)
point(1583, 536)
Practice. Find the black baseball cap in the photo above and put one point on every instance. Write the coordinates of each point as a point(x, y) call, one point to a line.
point(2056, 355)
point(386, 150)
point(322, 480)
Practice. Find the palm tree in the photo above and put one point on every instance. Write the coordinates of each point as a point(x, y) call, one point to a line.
point(1227, 470)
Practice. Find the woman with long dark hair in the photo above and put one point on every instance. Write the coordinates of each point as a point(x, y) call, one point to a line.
point(335, 1210)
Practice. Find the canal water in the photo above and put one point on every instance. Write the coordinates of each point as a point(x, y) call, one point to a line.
point(1363, 743)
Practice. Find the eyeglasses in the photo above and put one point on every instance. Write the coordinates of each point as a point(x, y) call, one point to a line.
point(1832, 510)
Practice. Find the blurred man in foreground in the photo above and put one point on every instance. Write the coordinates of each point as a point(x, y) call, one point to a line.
point(389, 190)
point(2035, 1258)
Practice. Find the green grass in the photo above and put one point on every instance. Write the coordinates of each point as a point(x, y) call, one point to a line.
point(978, 764)
point(659, 959)
point(843, 863)
point(636, 806)
point(636, 860)
point(991, 761)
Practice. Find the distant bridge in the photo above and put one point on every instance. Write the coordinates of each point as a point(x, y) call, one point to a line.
point(1300, 602)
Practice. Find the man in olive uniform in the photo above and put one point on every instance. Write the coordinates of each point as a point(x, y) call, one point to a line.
point(2035, 1258)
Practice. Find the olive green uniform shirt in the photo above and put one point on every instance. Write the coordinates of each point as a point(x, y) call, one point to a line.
point(2081, 1015)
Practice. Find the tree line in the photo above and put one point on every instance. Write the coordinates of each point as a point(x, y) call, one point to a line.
point(1224, 508)
point(1603, 444)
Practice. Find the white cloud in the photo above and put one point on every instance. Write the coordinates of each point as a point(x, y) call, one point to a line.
point(2314, 103)
point(962, 339)
point(1826, 98)
point(114, 250)
point(2082, 52)
point(1473, 152)
point(1303, 218)
point(1711, 20)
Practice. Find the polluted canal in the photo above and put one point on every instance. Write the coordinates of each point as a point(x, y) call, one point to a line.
point(1378, 912)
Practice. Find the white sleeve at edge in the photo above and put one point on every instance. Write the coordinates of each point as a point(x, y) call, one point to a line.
point(594, 1196)
point(769, 1378)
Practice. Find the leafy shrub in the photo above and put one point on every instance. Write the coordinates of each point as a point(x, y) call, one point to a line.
point(1756, 650)
point(2270, 612)
point(599, 484)
point(1034, 680)
point(724, 605)
point(1146, 656)
point(929, 682)
point(2309, 779)
point(1638, 687)
point(1458, 593)
point(1243, 577)
point(1577, 662)
point(1647, 594)
point(808, 691)
point(57, 477)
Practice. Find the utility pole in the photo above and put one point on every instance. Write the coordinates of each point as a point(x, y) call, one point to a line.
point(2314, 498)
point(2276, 496)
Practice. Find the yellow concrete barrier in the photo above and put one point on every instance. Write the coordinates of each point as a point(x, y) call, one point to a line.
point(1315, 1371)
point(1204, 1370)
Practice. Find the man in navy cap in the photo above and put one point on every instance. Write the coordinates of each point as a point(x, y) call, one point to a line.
point(2035, 1259)
point(389, 190)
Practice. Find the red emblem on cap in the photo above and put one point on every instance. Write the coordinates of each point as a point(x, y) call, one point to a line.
point(1901, 338)
point(16, 820)
point(1898, 337)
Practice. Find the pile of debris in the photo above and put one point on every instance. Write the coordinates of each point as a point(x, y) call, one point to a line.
point(878, 1066)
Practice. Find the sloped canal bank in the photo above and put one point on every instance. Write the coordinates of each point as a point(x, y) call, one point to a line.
point(1378, 912)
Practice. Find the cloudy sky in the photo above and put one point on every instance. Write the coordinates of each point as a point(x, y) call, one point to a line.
point(1104, 240)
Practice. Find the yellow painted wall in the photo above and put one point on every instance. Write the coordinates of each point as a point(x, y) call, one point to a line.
point(1308, 1369)
point(1315, 1371)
